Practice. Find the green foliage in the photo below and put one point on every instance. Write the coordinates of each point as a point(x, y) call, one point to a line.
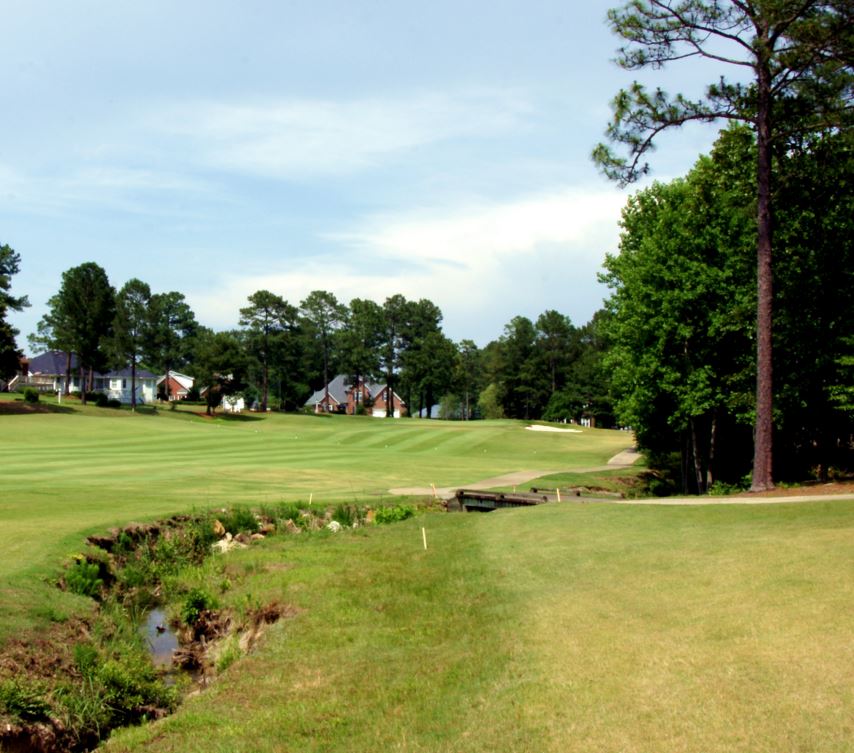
point(84, 578)
point(489, 404)
point(23, 699)
point(394, 513)
point(101, 400)
point(196, 602)
point(238, 519)
point(86, 659)
point(346, 515)
point(9, 354)
point(31, 395)
point(229, 653)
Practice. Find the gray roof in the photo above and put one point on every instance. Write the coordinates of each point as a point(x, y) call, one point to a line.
point(338, 388)
point(337, 391)
point(53, 363)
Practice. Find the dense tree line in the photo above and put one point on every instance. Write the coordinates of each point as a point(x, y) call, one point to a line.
point(794, 78)
point(10, 262)
point(280, 353)
point(683, 344)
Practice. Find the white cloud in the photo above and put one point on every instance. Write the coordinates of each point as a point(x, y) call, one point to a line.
point(307, 137)
point(493, 260)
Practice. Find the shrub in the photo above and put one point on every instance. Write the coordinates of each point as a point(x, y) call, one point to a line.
point(346, 515)
point(86, 659)
point(239, 519)
point(84, 578)
point(23, 700)
point(101, 400)
point(197, 601)
point(393, 514)
point(113, 403)
point(31, 395)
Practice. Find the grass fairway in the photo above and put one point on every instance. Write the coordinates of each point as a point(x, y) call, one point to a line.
point(85, 469)
point(562, 628)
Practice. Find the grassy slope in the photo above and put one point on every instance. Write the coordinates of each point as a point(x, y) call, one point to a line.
point(561, 628)
point(64, 474)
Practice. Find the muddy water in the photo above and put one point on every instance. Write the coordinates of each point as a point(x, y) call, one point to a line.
point(160, 638)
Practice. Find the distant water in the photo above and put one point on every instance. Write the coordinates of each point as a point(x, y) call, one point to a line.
point(160, 644)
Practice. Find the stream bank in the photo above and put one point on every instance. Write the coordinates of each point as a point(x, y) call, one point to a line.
point(67, 689)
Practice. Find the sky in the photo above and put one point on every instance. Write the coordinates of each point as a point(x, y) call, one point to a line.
point(440, 150)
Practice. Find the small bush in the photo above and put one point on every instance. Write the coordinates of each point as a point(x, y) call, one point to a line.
point(346, 515)
point(394, 514)
point(86, 659)
point(101, 400)
point(113, 403)
point(239, 519)
point(31, 395)
point(25, 701)
point(197, 601)
point(84, 578)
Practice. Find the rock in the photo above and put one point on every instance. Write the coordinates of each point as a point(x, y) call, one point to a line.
point(221, 546)
point(219, 528)
point(267, 528)
point(243, 538)
point(334, 526)
point(370, 515)
point(292, 527)
point(257, 537)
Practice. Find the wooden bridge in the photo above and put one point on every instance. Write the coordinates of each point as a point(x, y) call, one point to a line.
point(474, 500)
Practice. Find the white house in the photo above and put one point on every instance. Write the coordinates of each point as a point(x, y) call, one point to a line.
point(47, 372)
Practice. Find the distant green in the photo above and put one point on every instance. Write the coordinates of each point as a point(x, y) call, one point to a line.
point(66, 474)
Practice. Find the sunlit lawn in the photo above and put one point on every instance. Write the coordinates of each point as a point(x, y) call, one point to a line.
point(68, 473)
point(561, 628)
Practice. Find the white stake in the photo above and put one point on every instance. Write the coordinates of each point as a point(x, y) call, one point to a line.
point(424, 537)
point(310, 497)
point(558, 494)
point(434, 491)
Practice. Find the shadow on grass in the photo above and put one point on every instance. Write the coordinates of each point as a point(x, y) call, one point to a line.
point(19, 407)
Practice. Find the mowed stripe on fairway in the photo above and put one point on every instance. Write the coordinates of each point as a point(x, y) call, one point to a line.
point(67, 474)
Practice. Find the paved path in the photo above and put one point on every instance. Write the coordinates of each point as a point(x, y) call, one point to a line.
point(620, 460)
point(745, 500)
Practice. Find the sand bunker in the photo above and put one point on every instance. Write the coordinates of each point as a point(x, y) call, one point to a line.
point(554, 428)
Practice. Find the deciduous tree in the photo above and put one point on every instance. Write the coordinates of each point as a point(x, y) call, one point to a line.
point(794, 64)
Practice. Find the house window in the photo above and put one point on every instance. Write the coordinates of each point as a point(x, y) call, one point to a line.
point(124, 384)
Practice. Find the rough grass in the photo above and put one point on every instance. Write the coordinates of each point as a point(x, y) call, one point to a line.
point(560, 628)
point(82, 469)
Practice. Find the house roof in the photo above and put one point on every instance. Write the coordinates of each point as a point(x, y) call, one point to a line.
point(337, 391)
point(340, 386)
point(53, 363)
point(176, 377)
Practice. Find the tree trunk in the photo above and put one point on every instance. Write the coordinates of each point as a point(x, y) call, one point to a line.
point(133, 383)
point(325, 375)
point(763, 475)
point(67, 389)
point(713, 443)
point(699, 476)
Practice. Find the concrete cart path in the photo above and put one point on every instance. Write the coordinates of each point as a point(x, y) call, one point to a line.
point(621, 460)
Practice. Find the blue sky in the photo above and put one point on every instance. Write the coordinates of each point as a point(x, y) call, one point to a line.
point(438, 150)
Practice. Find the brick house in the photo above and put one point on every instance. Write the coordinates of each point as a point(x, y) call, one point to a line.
point(345, 397)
